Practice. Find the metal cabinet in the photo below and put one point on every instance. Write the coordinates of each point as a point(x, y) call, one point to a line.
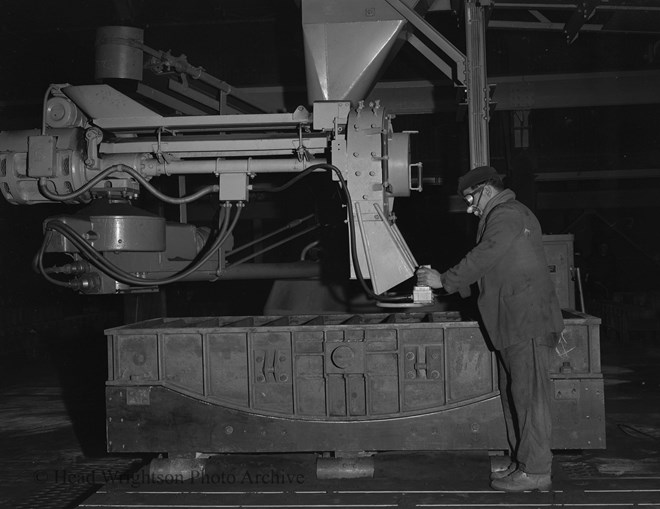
point(559, 254)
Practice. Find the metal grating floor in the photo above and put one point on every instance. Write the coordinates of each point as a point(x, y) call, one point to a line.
point(444, 491)
point(66, 487)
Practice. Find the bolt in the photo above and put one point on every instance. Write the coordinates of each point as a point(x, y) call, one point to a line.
point(372, 173)
point(356, 154)
point(357, 173)
point(229, 430)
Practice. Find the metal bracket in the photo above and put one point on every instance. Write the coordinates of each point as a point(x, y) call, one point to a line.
point(269, 366)
point(419, 167)
point(93, 138)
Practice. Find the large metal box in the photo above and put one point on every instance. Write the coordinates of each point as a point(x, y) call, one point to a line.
point(408, 381)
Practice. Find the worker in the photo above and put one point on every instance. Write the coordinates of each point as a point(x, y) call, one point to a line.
point(521, 315)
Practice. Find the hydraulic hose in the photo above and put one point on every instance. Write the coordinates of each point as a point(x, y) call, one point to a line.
point(122, 276)
point(43, 181)
point(116, 273)
point(39, 263)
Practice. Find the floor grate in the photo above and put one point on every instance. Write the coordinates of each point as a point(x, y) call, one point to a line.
point(66, 487)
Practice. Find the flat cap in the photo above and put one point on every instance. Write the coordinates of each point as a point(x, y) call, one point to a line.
point(477, 176)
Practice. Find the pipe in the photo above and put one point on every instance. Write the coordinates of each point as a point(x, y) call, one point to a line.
point(122, 168)
point(307, 248)
point(216, 166)
point(277, 244)
point(290, 270)
point(292, 224)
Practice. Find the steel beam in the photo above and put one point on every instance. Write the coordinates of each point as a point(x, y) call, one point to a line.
point(168, 100)
point(434, 36)
point(576, 90)
point(430, 55)
point(542, 91)
point(476, 85)
point(610, 199)
point(565, 176)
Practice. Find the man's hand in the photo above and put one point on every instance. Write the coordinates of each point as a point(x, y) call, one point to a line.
point(427, 276)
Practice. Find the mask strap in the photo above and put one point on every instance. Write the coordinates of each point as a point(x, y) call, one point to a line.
point(475, 203)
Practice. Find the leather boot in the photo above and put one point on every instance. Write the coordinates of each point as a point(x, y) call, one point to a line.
point(499, 474)
point(522, 481)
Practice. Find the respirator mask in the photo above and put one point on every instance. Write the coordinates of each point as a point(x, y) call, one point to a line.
point(473, 203)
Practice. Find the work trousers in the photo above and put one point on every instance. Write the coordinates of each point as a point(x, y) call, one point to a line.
point(525, 389)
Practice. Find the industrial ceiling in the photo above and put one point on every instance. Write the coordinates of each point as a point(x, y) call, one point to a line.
point(258, 43)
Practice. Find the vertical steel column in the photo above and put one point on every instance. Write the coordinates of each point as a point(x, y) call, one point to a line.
point(476, 84)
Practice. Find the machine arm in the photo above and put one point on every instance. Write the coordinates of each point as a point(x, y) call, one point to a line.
point(101, 148)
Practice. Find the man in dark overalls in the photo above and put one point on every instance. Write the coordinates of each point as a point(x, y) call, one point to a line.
point(522, 317)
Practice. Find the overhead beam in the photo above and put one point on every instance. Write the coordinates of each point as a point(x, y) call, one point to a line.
point(546, 25)
point(526, 92)
point(610, 5)
point(570, 200)
point(564, 176)
point(439, 40)
point(576, 90)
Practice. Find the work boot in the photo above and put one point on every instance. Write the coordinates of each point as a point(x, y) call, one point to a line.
point(522, 481)
point(503, 472)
